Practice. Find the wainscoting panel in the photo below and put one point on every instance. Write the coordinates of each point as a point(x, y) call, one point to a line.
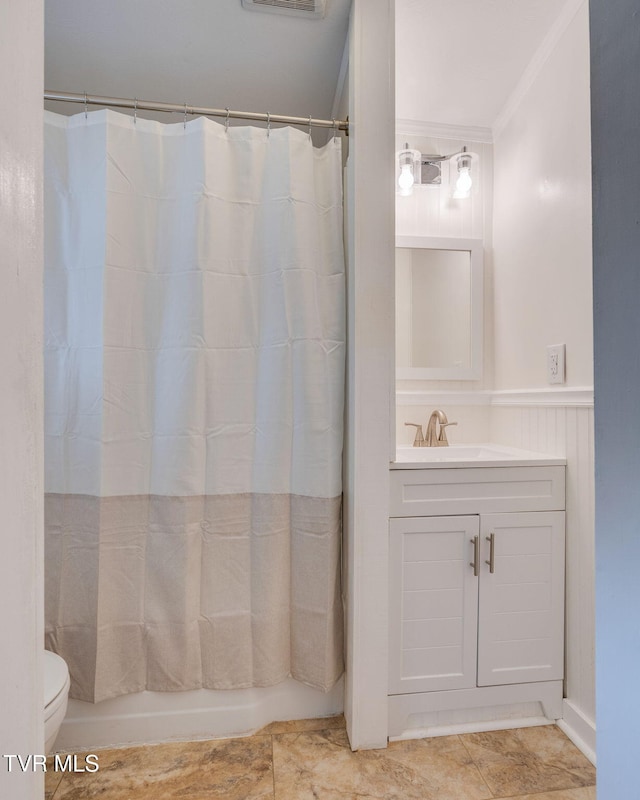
point(566, 429)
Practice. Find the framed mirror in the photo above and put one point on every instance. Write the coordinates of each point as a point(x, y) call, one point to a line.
point(439, 300)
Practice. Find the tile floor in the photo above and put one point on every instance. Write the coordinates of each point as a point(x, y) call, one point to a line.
point(311, 760)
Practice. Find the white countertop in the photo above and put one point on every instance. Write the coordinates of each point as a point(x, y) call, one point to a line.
point(471, 455)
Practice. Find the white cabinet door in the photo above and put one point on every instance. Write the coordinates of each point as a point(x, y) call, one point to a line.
point(433, 604)
point(521, 604)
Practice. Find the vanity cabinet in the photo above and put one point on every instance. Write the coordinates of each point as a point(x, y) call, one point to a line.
point(476, 598)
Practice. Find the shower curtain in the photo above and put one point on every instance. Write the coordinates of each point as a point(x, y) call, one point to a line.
point(194, 357)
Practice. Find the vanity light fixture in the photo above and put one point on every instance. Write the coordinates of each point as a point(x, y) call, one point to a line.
point(409, 162)
point(464, 182)
point(425, 169)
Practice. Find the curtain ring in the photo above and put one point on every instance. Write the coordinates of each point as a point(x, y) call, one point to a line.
point(226, 122)
point(135, 111)
point(268, 124)
point(335, 130)
point(309, 127)
point(85, 105)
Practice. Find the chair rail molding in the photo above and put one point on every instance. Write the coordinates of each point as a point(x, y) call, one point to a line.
point(563, 397)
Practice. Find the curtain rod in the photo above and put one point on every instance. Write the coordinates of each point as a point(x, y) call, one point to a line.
point(184, 108)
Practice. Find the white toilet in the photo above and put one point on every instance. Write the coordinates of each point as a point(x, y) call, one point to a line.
point(56, 693)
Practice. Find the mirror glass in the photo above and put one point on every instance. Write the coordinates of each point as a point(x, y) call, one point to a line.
point(438, 310)
point(433, 300)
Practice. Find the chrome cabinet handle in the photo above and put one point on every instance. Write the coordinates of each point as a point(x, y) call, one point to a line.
point(476, 555)
point(492, 553)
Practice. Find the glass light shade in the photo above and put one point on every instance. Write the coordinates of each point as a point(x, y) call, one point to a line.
point(463, 184)
point(406, 179)
point(409, 163)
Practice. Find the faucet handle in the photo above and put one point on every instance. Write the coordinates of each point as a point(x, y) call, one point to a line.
point(419, 440)
point(442, 438)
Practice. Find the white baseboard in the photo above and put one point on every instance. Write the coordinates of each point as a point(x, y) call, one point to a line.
point(471, 727)
point(493, 706)
point(154, 717)
point(579, 728)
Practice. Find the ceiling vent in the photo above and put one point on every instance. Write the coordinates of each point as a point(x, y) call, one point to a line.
point(311, 9)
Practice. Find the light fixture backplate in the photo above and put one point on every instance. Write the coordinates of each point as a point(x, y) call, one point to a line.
point(430, 172)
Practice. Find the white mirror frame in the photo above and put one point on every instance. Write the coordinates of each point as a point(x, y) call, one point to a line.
point(475, 248)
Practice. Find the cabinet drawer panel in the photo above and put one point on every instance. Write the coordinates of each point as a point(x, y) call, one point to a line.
point(426, 492)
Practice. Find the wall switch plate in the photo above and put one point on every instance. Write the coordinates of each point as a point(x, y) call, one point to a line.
point(555, 363)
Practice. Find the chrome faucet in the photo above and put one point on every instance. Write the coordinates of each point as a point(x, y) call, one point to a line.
point(435, 438)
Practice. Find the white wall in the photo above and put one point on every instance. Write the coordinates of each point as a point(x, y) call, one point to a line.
point(542, 273)
point(21, 492)
point(370, 399)
point(542, 221)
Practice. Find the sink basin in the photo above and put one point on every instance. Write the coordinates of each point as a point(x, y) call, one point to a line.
point(470, 455)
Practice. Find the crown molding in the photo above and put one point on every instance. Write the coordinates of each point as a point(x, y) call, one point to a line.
point(535, 66)
point(438, 130)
